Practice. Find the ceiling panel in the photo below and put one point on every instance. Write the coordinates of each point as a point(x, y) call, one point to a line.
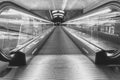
point(70, 14)
point(44, 13)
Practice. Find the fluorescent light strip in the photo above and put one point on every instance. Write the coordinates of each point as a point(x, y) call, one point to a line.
point(64, 4)
point(56, 11)
point(19, 21)
point(16, 12)
point(106, 10)
point(61, 11)
point(57, 14)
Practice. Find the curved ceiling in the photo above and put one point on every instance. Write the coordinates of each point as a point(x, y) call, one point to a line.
point(57, 4)
point(72, 8)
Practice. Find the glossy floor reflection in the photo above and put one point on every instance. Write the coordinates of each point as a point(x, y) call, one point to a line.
point(61, 67)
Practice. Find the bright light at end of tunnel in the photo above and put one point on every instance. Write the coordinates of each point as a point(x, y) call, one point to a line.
point(57, 14)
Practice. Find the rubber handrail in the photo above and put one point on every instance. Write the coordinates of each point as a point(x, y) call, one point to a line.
point(29, 42)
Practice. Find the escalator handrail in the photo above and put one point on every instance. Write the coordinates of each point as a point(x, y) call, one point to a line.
point(90, 42)
point(29, 42)
point(116, 54)
point(6, 56)
point(100, 49)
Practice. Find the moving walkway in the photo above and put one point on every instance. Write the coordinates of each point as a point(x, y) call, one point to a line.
point(34, 44)
point(59, 59)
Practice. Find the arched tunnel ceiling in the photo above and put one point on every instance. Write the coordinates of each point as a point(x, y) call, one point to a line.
point(57, 4)
point(73, 8)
